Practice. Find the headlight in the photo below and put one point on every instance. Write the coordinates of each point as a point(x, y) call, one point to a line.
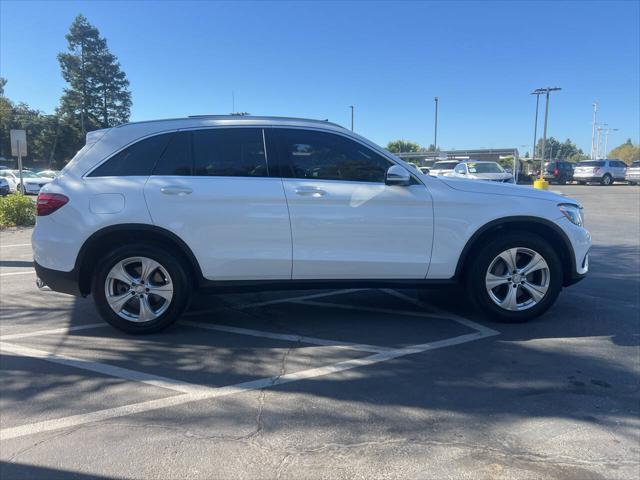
point(573, 213)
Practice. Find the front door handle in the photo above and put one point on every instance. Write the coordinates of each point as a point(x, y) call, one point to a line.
point(176, 190)
point(310, 191)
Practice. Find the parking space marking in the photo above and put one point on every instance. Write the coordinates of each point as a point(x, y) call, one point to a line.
point(287, 337)
point(105, 369)
point(303, 297)
point(17, 273)
point(101, 415)
point(16, 245)
point(52, 331)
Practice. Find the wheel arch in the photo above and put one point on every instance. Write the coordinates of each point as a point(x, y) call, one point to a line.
point(540, 226)
point(105, 238)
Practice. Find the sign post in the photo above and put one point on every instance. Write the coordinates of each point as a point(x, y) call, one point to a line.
point(19, 149)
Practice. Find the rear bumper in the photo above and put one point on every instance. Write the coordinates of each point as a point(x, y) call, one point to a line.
point(56, 280)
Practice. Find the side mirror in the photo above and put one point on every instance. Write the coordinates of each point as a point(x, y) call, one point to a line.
point(397, 175)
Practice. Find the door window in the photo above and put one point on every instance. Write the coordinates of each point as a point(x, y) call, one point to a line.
point(318, 155)
point(176, 159)
point(229, 152)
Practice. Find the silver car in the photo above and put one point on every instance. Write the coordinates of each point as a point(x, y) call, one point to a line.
point(633, 173)
point(443, 167)
point(474, 170)
point(603, 171)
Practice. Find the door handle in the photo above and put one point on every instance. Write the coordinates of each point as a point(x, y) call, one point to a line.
point(310, 191)
point(175, 190)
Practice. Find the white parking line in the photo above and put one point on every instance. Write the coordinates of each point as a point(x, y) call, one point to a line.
point(287, 337)
point(15, 245)
point(105, 369)
point(77, 420)
point(303, 297)
point(52, 331)
point(17, 273)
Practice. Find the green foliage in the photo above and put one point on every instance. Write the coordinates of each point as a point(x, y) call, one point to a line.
point(403, 146)
point(627, 152)
point(17, 210)
point(97, 95)
point(554, 150)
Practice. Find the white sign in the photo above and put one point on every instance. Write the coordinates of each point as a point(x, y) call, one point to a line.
point(18, 143)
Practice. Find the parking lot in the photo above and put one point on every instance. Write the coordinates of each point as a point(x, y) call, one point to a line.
point(331, 384)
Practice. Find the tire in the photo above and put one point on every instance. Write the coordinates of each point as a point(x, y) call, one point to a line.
point(487, 261)
point(606, 180)
point(582, 183)
point(167, 277)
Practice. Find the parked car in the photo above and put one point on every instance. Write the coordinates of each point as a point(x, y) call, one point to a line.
point(4, 187)
point(32, 182)
point(443, 167)
point(482, 170)
point(49, 173)
point(604, 172)
point(424, 170)
point(558, 172)
point(633, 173)
point(147, 213)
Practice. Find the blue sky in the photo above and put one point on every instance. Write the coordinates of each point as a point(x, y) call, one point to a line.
point(388, 58)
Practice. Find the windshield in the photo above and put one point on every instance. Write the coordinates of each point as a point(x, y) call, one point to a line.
point(488, 167)
point(592, 163)
point(444, 165)
point(25, 174)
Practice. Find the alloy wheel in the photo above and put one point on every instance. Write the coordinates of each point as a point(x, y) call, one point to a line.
point(138, 289)
point(518, 279)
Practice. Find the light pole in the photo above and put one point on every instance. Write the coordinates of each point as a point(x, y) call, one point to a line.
point(435, 133)
point(537, 93)
point(593, 131)
point(352, 107)
point(541, 183)
point(606, 139)
point(599, 137)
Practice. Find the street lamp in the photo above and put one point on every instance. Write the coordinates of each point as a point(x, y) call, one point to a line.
point(435, 133)
point(540, 183)
point(535, 126)
point(352, 107)
point(606, 139)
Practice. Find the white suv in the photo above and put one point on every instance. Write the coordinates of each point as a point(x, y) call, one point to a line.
point(146, 213)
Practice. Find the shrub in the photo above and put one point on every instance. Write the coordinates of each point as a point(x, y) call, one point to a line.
point(17, 210)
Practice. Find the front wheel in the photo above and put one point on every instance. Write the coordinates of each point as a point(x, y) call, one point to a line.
point(515, 278)
point(141, 288)
point(606, 180)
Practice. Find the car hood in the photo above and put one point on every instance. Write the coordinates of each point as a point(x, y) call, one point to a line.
point(510, 189)
point(37, 181)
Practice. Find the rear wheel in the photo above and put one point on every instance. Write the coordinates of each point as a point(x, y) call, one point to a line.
point(606, 180)
point(581, 183)
point(141, 288)
point(515, 278)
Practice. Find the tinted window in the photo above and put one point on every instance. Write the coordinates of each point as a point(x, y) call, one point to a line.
point(229, 152)
point(176, 159)
point(137, 159)
point(636, 164)
point(460, 169)
point(326, 156)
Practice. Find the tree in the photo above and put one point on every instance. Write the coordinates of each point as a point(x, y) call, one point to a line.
point(554, 150)
point(403, 146)
point(627, 152)
point(97, 95)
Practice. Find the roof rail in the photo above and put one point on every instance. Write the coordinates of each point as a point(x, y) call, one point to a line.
point(239, 117)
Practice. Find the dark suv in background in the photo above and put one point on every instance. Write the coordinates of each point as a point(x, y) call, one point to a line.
point(558, 172)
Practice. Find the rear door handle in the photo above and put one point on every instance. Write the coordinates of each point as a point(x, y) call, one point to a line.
point(176, 190)
point(310, 191)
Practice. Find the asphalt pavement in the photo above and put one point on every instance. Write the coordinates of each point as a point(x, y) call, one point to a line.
point(359, 383)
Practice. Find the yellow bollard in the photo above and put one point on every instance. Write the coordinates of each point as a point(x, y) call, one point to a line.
point(541, 184)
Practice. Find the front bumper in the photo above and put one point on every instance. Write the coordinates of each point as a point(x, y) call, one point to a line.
point(58, 281)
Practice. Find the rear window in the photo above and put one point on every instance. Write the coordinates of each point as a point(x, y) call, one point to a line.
point(229, 152)
point(592, 163)
point(135, 160)
point(444, 165)
point(636, 163)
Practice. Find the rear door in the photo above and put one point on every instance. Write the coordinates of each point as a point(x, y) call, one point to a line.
point(212, 187)
point(345, 222)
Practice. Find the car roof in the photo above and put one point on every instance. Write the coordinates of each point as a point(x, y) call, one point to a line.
point(211, 120)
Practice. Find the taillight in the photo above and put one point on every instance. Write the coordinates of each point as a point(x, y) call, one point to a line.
point(47, 203)
point(556, 172)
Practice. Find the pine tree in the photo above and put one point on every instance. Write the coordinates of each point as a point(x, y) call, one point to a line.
point(98, 94)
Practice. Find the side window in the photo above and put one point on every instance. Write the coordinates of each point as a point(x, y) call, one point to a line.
point(137, 159)
point(229, 152)
point(460, 169)
point(176, 159)
point(326, 156)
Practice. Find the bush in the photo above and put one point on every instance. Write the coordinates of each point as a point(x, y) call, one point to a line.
point(17, 210)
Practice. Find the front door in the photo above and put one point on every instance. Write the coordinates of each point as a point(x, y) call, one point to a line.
point(212, 188)
point(345, 222)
